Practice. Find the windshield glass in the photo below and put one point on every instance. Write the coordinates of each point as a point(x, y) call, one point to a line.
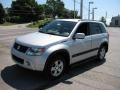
point(60, 28)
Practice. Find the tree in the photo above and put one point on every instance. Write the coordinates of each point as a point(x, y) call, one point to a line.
point(103, 20)
point(2, 14)
point(46, 10)
point(69, 13)
point(66, 13)
point(72, 13)
point(56, 7)
point(27, 10)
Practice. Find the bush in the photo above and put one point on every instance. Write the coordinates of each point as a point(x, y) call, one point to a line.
point(7, 18)
point(44, 22)
point(14, 19)
point(40, 23)
point(2, 20)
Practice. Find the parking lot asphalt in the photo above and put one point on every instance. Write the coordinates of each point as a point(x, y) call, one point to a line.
point(93, 75)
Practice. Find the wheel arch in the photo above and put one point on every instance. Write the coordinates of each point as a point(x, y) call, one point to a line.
point(105, 44)
point(61, 52)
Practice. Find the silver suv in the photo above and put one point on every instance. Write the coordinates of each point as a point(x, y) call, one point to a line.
point(59, 44)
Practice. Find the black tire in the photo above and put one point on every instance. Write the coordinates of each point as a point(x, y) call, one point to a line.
point(101, 53)
point(50, 66)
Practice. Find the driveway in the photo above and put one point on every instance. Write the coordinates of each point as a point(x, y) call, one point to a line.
point(17, 26)
point(93, 75)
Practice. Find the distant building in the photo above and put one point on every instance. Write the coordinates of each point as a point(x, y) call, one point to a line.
point(115, 21)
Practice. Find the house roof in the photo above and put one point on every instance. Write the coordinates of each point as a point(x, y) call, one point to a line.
point(116, 16)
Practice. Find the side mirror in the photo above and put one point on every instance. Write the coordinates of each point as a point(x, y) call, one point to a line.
point(79, 36)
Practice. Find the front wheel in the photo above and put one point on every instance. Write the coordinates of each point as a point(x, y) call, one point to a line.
point(101, 53)
point(55, 67)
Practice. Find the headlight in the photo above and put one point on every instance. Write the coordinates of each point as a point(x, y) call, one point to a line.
point(35, 51)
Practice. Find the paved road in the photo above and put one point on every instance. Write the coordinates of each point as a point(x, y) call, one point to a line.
point(94, 75)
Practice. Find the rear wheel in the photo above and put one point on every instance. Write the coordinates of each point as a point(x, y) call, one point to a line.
point(102, 53)
point(55, 67)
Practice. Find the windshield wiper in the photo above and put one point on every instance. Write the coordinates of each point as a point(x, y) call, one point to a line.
point(47, 32)
point(51, 33)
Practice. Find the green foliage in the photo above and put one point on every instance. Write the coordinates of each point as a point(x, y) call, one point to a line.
point(22, 11)
point(103, 20)
point(27, 10)
point(7, 24)
point(56, 7)
point(15, 19)
point(40, 23)
point(2, 14)
point(44, 22)
point(69, 13)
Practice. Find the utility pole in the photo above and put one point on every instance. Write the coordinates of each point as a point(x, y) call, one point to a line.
point(106, 15)
point(93, 12)
point(89, 10)
point(81, 9)
point(74, 8)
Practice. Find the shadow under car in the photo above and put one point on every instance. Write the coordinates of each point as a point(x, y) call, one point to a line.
point(23, 79)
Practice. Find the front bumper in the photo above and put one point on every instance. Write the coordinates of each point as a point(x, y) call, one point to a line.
point(29, 62)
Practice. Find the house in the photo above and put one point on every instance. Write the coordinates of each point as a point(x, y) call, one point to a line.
point(115, 21)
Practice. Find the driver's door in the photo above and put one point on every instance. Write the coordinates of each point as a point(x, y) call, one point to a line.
point(80, 48)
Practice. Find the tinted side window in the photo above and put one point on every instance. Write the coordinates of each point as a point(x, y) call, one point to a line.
point(95, 28)
point(83, 28)
point(102, 28)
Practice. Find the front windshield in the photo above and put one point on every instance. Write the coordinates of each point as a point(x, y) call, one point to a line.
point(60, 28)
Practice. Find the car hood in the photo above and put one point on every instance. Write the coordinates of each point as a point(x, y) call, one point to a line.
point(39, 39)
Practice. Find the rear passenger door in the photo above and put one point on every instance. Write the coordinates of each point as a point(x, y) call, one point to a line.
point(96, 36)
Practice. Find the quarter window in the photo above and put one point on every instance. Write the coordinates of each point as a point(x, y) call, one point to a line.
point(102, 28)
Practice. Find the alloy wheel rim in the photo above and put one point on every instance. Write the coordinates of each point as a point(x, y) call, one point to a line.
point(102, 53)
point(57, 68)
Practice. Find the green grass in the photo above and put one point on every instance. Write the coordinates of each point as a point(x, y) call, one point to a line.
point(7, 24)
point(39, 23)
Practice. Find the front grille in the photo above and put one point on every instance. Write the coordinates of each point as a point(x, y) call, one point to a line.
point(17, 59)
point(20, 48)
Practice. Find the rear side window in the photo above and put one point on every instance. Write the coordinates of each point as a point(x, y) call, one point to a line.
point(95, 28)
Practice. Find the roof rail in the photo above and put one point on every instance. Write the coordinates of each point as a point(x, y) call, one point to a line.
point(88, 20)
